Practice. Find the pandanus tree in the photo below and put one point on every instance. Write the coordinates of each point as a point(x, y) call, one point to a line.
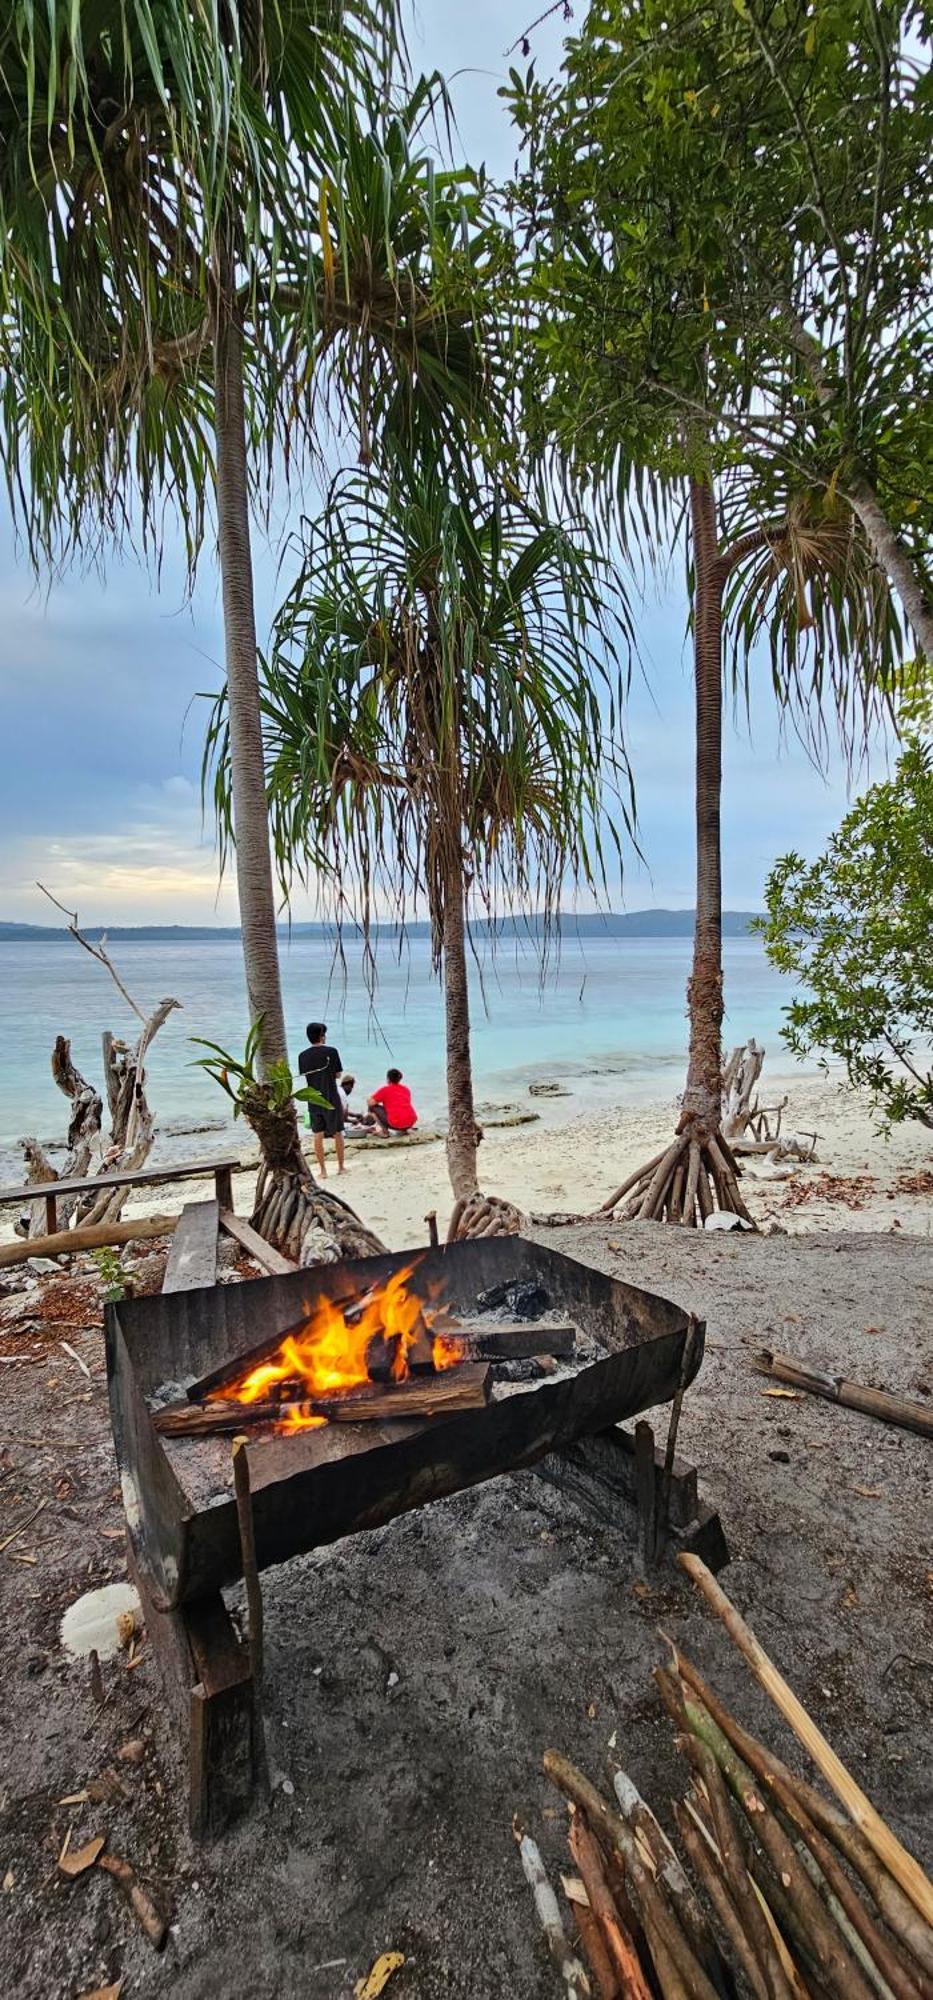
point(440, 707)
point(169, 299)
point(631, 372)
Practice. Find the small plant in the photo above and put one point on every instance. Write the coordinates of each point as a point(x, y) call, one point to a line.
point(248, 1092)
point(112, 1275)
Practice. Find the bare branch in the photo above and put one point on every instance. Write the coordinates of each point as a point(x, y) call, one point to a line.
point(96, 951)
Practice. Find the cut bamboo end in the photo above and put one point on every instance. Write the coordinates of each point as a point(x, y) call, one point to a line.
point(897, 1858)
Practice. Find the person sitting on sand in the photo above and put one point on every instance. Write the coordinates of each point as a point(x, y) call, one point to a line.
point(391, 1105)
point(320, 1065)
point(350, 1115)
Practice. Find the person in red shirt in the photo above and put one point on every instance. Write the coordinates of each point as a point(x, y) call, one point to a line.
point(391, 1105)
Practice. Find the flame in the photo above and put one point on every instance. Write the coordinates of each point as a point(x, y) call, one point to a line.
point(329, 1354)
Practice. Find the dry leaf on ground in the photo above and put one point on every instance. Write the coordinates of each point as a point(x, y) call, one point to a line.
point(787, 1395)
point(104, 1992)
point(75, 1860)
point(379, 1975)
point(868, 1492)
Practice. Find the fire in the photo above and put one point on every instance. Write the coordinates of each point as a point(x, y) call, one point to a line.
point(340, 1346)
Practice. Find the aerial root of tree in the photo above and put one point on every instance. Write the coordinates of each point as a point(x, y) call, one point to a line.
point(307, 1223)
point(480, 1214)
point(694, 1176)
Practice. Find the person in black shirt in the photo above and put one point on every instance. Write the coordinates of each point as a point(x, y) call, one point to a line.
point(320, 1065)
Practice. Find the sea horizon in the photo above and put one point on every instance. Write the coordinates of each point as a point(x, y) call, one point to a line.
point(602, 1016)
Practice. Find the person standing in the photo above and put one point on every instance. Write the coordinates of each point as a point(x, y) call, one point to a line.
point(320, 1065)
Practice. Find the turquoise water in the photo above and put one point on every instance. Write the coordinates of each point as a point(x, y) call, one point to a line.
point(604, 1010)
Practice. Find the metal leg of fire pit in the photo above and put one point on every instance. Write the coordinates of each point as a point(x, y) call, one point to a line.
point(207, 1676)
point(602, 1472)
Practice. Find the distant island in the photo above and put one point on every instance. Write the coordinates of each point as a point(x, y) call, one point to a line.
point(631, 923)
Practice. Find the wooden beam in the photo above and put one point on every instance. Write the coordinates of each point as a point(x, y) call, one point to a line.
point(880, 1403)
point(192, 1264)
point(66, 1241)
point(186, 1170)
point(255, 1245)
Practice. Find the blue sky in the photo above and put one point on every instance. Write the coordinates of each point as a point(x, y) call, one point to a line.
point(101, 734)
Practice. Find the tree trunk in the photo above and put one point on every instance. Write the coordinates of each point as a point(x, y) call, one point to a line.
point(461, 1118)
point(697, 1174)
point(248, 780)
point(305, 1222)
point(703, 1093)
point(895, 560)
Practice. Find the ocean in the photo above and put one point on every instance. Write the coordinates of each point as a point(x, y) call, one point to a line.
point(604, 1016)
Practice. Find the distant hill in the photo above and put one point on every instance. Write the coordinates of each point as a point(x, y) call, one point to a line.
point(629, 923)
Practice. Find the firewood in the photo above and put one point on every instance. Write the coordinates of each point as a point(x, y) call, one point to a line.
point(880, 1403)
point(546, 1904)
point(740, 1888)
point(619, 1944)
point(66, 1242)
point(463, 1388)
point(901, 1864)
point(658, 1921)
point(669, 1872)
point(816, 1811)
point(836, 1963)
point(727, 1916)
point(505, 1340)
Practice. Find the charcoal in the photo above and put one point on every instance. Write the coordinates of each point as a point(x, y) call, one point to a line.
point(519, 1298)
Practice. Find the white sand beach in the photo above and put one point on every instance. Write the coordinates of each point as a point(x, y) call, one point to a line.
point(582, 1145)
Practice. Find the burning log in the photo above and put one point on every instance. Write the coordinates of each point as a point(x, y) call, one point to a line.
point(508, 1341)
point(465, 1388)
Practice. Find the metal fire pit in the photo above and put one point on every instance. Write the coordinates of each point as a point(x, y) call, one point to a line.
point(317, 1485)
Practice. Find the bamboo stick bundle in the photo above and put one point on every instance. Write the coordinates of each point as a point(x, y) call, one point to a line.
point(902, 1865)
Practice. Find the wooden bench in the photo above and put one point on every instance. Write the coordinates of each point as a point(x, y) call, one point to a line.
point(189, 1170)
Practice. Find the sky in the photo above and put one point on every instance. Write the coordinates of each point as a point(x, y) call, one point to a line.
point(101, 674)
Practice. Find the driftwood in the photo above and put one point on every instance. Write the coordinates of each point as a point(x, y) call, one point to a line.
point(66, 1241)
point(905, 1869)
point(131, 1119)
point(461, 1388)
point(880, 1403)
point(739, 1083)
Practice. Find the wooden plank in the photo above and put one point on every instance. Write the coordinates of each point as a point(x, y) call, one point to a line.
point(254, 1244)
point(192, 1263)
point(96, 1237)
point(206, 1676)
point(186, 1170)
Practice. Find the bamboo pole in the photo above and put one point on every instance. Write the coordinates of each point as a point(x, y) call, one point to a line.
point(902, 1865)
point(880, 1403)
point(96, 1236)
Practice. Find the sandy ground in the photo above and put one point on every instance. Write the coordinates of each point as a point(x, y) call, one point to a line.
point(582, 1145)
point(415, 1675)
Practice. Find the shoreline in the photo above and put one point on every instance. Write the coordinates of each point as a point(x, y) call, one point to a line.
point(581, 1145)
